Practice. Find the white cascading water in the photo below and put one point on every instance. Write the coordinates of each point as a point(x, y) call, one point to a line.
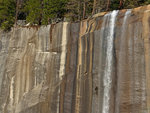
point(108, 67)
point(121, 55)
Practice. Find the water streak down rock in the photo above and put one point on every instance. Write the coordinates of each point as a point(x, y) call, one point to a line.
point(99, 65)
point(109, 61)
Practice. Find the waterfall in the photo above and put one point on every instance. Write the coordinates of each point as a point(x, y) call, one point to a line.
point(121, 62)
point(109, 57)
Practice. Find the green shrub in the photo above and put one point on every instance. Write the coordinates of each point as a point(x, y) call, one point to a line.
point(7, 14)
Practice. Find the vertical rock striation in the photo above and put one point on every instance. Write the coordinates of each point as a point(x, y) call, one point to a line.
point(99, 65)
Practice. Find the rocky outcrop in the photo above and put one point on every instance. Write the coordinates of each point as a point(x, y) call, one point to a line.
point(99, 65)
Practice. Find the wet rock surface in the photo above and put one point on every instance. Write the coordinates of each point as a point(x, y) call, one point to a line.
point(100, 65)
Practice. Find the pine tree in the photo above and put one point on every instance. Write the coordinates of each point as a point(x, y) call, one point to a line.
point(101, 5)
point(20, 14)
point(114, 5)
point(73, 10)
point(7, 13)
point(79, 9)
point(147, 2)
point(134, 3)
point(33, 9)
point(89, 8)
point(44, 11)
point(53, 9)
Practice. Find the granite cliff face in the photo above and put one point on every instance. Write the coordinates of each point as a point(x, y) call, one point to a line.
point(100, 65)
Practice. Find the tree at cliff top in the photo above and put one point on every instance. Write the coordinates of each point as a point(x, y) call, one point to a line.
point(7, 13)
point(20, 14)
point(53, 9)
point(33, 8)
point(78, 9)
point(43, 11)
point(106, 5)
point(121, 4)
point(103, 5)
point(147, 1)
point(135, 3)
